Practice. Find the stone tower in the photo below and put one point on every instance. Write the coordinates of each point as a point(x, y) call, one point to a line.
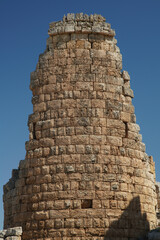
point(86, 174)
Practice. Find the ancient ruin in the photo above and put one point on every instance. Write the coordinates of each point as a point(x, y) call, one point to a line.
point(86, 174)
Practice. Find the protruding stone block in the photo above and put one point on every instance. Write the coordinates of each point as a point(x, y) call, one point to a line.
point(125, 76)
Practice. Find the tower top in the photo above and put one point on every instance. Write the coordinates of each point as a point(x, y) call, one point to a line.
point(81, 23)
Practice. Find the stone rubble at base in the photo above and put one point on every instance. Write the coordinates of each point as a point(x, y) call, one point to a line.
point(11, 234)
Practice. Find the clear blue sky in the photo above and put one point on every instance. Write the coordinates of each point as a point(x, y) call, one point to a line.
point(23, 28)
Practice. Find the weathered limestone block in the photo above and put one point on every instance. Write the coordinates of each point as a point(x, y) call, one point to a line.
point(125, 76)
point(11, 233)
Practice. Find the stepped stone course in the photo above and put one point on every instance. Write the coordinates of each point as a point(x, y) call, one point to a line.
point(86, 174)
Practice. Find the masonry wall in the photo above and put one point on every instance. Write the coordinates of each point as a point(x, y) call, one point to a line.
point(158, 202)
point(86, 174)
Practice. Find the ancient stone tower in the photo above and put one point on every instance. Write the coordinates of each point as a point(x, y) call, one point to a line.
point(86, 174)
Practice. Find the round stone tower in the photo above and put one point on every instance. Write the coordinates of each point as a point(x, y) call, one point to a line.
point(86, 174)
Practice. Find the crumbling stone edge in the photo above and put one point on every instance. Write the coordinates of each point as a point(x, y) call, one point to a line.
point(81, 23)
point(11, 233)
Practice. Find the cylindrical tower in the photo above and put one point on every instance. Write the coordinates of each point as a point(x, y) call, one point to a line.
point(86, 174)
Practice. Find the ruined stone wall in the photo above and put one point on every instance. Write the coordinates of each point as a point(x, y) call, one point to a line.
point(158, 202)
point(11, 234)
point(86, 174)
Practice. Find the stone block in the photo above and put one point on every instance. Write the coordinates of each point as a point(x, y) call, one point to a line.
point(115, 141)
point(70, 169)
point(13, 238)
point(41, 107)
point(125, 116)
point(125, 76)
point(59, 214)
point(54, 104)
point(128, 92)
point(114, 123)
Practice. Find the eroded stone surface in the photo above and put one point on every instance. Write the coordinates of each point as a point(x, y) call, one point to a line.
point(11, 234)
